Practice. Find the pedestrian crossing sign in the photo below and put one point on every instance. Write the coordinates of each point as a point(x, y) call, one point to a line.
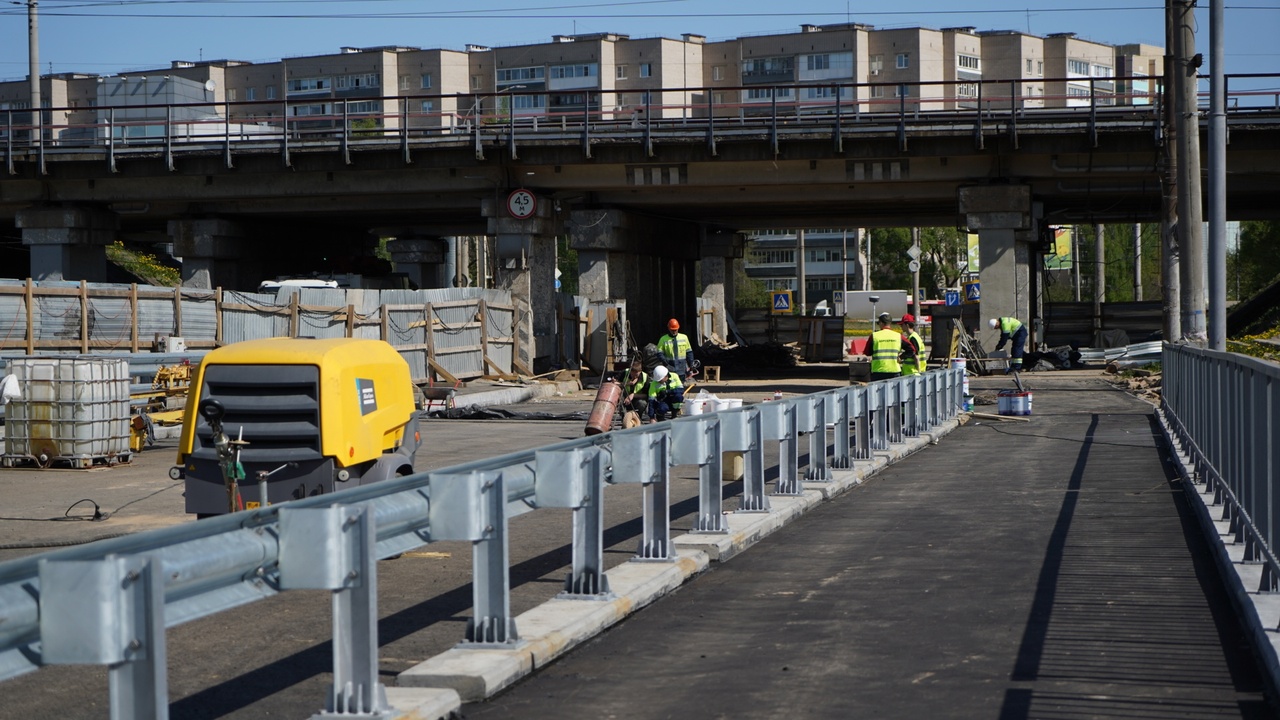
point(781, 302)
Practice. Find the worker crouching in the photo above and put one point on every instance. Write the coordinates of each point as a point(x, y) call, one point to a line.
point(666, 394)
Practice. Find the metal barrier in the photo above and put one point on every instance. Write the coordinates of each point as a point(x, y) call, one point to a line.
point(1224, 409)
point(111, 602)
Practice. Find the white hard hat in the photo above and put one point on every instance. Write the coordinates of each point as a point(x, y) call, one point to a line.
point(994, 323)
point(660, 373)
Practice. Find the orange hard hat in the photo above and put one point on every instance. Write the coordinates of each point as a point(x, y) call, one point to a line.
point(673, 324)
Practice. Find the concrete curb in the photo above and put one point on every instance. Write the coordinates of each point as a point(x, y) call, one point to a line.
point(1241, 578)
point(463, 674)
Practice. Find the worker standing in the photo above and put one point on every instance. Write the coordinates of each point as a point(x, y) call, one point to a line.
point(913, 361)
point(676, 352)
point(666, 394)
point(635, 386)
point(886, 347)
point(1011, 328)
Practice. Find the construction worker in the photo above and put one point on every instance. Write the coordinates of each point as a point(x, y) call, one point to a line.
point(1011, 328)
point(635, 385)
point(886, 347)
point(677, 353)
point(913, 360)
point(666, 394)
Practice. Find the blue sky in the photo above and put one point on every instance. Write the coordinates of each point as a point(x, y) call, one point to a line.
point(108, 36)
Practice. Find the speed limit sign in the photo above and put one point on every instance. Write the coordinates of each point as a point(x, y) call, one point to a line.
point(521, 204)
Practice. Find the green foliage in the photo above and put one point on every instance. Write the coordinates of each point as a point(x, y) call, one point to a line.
point(567, 262)
point(889, 257)
point(1256, 262)
point(1118, 259)
point(144, 266)
point(366, 127)
point(749, 293)
point(943, 249)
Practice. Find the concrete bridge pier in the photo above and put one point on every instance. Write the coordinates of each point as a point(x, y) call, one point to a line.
point(213, 251)
point(640, 259)
point(526, 266)
point(68, 243)
point(1005, 219)
point(423, 259)
point(719, 250)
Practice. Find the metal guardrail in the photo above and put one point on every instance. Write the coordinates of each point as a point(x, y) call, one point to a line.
point(111, 602)
point(1224, 409)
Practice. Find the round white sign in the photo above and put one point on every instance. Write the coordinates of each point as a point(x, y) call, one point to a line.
point(521, 204)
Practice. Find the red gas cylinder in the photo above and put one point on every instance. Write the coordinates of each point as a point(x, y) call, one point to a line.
point(607, 397)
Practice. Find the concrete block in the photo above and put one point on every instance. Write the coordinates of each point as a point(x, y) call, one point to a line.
point(423, 703)
point(473, 673)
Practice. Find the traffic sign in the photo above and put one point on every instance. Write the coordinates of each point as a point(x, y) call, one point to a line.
point(913, 266)
point(781, 302)
point(914, 251)
point(521, 204)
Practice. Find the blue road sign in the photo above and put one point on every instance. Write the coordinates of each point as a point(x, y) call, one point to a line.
point(781, 302)
point(953, 297)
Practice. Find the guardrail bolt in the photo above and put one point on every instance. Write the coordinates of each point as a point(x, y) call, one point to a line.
point(135, 645)
point(132, 576)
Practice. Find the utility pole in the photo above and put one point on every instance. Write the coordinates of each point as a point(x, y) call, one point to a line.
point(1170, 249)
point(1075, 262)
point(800, 281)
point(1137, 262)
point(1099, 278)
point(1217, 319)
point(915, 271)
point(33, 60)
point(1190, 199)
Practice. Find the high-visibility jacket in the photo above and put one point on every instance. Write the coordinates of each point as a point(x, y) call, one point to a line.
point(671, 382)
point(635, 385)
point(914, 362)
point(886, 346)
point(1009, 326)
point(676, 352)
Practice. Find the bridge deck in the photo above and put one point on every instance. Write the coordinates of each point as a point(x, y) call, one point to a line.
point(1016, 570)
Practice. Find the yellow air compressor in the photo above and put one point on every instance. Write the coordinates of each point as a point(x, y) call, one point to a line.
point(294, 417)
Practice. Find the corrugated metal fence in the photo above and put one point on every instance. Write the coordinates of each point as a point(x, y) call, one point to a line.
point(450, 334)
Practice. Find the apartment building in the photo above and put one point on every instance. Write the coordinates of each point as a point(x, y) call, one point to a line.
point(1139, 71)
point(1016, 62)
point(803, 70)
point(1080, 71)
point(831, 257)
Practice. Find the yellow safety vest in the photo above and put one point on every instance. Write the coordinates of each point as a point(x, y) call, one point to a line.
point(1009, 325)
point(886, 346)
point(914, 363)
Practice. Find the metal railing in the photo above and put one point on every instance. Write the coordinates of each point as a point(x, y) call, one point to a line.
point(1224, 410)
point(111, 602)
point(983, 107)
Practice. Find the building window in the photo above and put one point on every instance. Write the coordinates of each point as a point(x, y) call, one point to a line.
point(428, 106)
point(967, 90)
point(774, 257)
point(1074, 91)
point(520, 74)
point(364, 107)
point(1028, 66)
point(877, 91)
point(968, 62)
point(560, 72)
point(717, 73)
point(309, 84)
point(818, 62)
point(251, 94)
point(876, 65)
point(766, 93)
point(1101, 71)
point(620, 72)
point(231, 94)
point(768, 66)
point(404, 82)
point(717, 98)
point(823, 255)
point(529, 102)
point(309, 110)
point(901, 91)
point(1039, 68)
point(271, 92)
point(351, 82)
point(1078, 67)
point(425, 81)
point(646, 70)
point(475, 82)
point(903, 61)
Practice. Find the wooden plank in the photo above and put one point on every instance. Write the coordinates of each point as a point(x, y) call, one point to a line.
point(133, 317)
point(177, 311)
point(293, 315)
point(448, 376)
point(84, 316)
point(217, 318)
point(31, 331)
point(519, 365)
point(455, 349)
point(351, 320)
point(428, 313)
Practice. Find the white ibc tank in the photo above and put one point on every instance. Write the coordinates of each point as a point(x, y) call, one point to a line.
point(72, 408)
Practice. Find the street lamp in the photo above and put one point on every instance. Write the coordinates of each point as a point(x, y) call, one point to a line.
point(874, 299)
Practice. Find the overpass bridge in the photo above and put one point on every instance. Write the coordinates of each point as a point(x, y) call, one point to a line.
point(640, 198)
point(1104, 559)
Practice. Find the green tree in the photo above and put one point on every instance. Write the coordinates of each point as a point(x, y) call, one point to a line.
point(567, 262)
point(749, 293)
point(1256, 262)
point(943, 249)
point(889, 258)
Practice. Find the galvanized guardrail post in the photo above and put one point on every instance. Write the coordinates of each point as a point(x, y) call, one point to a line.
point(838, 412)
point(696, 441)
point(778, 422)
point(109, 612)
point(741, 431)
point(473, 506)
point(333, 549)
point(812, 418)
point(878, 411)
point(893, 402)
point(575, 479)
point(644, 457)
point(860, 409)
